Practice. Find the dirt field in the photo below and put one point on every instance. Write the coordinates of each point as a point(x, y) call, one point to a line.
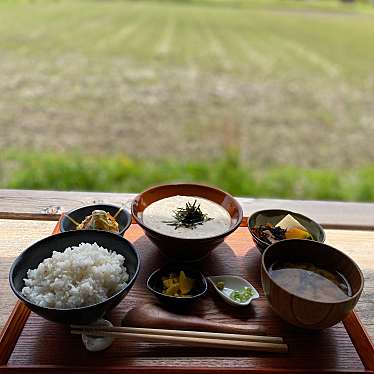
point(167, 80)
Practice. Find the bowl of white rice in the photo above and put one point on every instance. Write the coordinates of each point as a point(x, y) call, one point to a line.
point(75, 277)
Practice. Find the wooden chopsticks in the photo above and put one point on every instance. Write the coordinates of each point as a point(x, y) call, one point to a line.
point(189, 338)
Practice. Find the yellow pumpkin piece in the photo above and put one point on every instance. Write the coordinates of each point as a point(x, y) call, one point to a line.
point(296, 233)
point(171, 291)
point(186, 284)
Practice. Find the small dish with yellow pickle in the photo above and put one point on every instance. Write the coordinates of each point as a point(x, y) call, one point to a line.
point(177, 285)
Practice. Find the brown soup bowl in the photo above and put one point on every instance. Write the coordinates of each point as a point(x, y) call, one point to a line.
point(303, 312)
point(180, 249)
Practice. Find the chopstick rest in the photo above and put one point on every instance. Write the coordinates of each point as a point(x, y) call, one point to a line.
point(97, 343)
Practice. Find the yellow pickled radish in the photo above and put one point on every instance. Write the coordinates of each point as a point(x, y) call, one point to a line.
point(174, 289)
point(168, 283)
point(297, 233)
point(185, 284)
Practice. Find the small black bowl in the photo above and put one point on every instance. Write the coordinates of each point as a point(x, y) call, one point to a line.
point(36, 253)
point(79, 214)
point(273, 216)
point(154, 284)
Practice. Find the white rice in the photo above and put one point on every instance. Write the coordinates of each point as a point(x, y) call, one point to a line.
point(79, 276)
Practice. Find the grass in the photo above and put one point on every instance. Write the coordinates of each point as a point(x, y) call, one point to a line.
point(122, 174)
point(288, 85)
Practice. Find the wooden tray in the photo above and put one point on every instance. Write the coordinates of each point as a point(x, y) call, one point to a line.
point(28, 342)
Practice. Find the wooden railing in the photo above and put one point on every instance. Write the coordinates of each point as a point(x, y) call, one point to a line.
point(47, 205)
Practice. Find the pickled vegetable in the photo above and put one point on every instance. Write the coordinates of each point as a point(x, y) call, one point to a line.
point(178, 285)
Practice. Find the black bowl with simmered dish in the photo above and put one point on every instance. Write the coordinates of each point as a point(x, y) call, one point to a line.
point(156, 286)
point(39, 251)
point(123, 218)
point(186, 249)
point(274, 216)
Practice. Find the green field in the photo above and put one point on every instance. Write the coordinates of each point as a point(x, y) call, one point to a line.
point(67, 172)
point(282, 85)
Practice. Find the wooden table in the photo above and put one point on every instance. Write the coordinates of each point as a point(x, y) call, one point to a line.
point(27, 216)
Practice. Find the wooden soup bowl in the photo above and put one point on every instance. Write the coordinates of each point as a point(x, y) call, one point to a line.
point(299, 311)
point(180, 249)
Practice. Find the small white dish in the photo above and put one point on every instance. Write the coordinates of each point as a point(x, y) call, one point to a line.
point(232, 283)
point(96, 343)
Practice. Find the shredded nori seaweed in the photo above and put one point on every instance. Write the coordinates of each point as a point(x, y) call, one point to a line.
point(190, 217)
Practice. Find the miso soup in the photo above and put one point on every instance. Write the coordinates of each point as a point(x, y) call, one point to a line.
point(310, 282)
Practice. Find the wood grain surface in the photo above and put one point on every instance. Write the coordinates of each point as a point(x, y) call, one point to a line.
point(360, 339)
point(13, 327)
point(329, 349)
point(47, 205)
